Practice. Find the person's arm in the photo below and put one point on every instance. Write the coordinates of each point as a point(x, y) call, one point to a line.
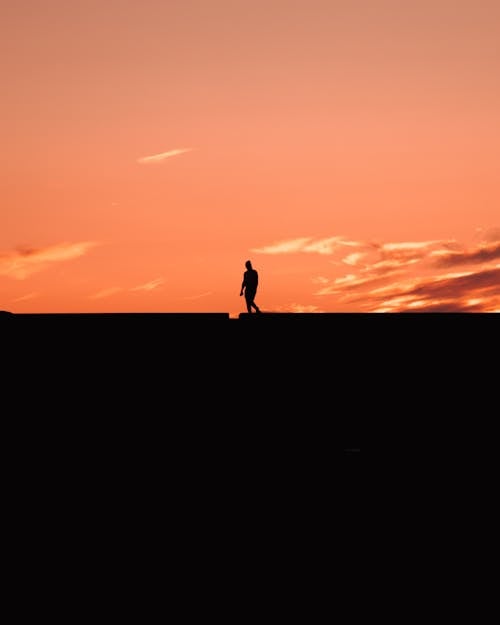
point(242, 286)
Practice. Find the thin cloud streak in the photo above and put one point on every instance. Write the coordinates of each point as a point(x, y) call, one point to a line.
point(283, 247)
point(307, 245)
point(106, 292)
point(409, 245)
point(303, 308)
point(149, 286)
point(194, 297)
point(24, 298)
point(351, 284)
point(23, 262)
point(159, 158)
point(146, 287)
point(294, 307)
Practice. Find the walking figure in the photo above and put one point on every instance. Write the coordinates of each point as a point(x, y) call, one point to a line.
point(249, 287)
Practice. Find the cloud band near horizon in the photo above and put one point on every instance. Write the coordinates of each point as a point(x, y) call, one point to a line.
point(404, 275)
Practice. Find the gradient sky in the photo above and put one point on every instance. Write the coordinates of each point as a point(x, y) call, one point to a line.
point(349, 148)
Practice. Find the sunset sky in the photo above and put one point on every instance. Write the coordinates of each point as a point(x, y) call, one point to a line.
point(349, 148)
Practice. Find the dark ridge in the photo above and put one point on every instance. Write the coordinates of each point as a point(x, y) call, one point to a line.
point(174, 316)
point(278, 390)
point(177, 317)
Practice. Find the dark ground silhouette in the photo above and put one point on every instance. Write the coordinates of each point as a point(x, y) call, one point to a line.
point(142, 429)
point(172, 369)
point(153, 384)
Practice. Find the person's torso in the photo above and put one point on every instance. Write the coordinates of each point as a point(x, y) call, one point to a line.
point(251, 279)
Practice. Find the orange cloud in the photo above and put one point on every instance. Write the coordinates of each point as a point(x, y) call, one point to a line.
point(24, 298)
point(21, 263)
point(283, 247)
point(483, 254)
point(159, 158)
point(308, 245)
point(195, 297)
point(401, 275)
point(471, 292)
point(112, 290)
point(301, 308)
point(353, 259)
point(352, 283)
point(149, 286)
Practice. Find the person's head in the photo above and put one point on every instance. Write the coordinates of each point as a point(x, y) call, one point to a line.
point(248, 264)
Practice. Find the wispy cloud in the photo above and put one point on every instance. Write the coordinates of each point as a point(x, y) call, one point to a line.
point(299, 308)
point(482, 254)
point(112, 290)
point(307, 245)
point(328, 246)
point(404, 275)
point(353, 259)
point(24, 298)
point(149, 286)
point(345, 286)
point(412, 283)
point(159, 158)
point(200, 296)
point(23, 262)
point(289, 246)
point(406, 246)
point(320, 280)
point(476, 291)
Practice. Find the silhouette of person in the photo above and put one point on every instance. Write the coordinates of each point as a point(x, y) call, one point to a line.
point(249, 286)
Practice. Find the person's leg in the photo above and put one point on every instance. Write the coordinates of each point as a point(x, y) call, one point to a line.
point(249, 296)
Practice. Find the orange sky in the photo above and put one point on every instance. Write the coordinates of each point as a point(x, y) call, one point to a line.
point(350, 149)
